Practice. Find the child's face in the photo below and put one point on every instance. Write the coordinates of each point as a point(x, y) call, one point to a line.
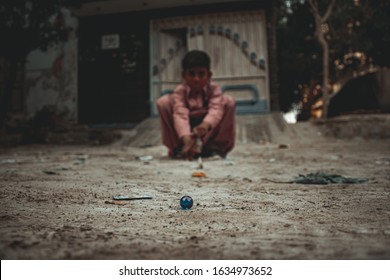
point(197, 77)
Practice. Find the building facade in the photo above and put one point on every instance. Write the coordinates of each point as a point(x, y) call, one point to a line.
point(120, 59)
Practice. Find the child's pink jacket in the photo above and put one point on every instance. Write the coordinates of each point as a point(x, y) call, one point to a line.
point(186, 104)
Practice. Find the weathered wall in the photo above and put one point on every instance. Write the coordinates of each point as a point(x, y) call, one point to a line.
point(366, 126)
point(51, 77)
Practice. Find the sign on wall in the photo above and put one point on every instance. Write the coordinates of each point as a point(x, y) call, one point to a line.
point(110, 41)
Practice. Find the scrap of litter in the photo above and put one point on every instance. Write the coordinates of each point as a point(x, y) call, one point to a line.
point(125, 197)
point(198, 174)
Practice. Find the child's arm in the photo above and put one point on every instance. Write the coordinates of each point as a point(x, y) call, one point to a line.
point(202, 129)
point(215, 106)
point(181, 112)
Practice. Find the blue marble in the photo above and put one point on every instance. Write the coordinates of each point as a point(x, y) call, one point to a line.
point(186, 202)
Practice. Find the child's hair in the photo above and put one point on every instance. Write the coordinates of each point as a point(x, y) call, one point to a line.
point(195, 58)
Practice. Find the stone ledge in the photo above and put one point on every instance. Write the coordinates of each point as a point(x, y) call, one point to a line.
point(375, 126)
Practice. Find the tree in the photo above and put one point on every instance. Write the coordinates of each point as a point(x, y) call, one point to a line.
point(297, 50)
point(357, 35)
point(321, 28)
point(25, 26)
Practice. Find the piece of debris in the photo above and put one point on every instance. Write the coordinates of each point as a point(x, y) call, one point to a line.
point(145, 158)
point(200, 163)
point(125, 197)
point(283, 146)
point(198, 174)
point(48, 172)
point(80, 159)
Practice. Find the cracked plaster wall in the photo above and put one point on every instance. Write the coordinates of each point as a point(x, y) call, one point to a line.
point(51, 77)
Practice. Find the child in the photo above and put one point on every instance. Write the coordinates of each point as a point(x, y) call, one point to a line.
point(197, 109)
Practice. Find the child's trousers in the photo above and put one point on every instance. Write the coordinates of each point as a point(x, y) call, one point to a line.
point(219, 139)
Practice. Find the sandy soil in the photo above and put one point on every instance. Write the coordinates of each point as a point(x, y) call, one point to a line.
point(56, 203)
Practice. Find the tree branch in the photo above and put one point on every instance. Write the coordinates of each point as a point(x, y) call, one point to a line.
point(328, 11)
point(313, 7)
point(315, 11)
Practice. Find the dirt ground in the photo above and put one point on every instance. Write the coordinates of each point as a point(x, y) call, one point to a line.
point(56, 202)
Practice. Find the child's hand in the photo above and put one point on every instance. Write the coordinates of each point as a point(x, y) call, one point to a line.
point(202, 129)
point(189, 143)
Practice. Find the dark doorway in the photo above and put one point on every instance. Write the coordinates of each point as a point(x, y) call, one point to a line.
point(113, 69)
